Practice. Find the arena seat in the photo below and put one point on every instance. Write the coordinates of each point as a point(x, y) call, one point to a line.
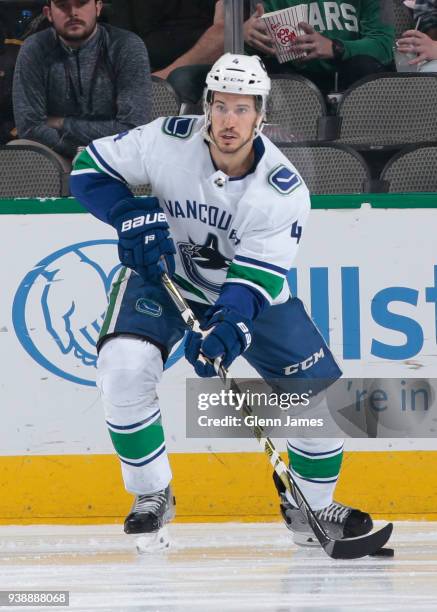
point(389, 110)
point(31, 172)
point(297, 104)
point(329, 168)
point(412, 169)
point(403, 17)
point(141, 190)
point(165, 102)
point(188, 82)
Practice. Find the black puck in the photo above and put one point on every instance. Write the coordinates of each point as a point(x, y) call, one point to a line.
point(383, 552)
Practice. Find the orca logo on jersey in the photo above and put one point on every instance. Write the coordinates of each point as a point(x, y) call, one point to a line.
point(284, 180)
point(147, 219)
point(207, 256)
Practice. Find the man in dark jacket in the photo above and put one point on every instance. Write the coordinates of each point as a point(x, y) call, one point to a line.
point(8, 56)
point(80, 80)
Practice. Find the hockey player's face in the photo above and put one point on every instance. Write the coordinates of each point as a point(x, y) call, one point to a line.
point(73, 20)
point(233, 120)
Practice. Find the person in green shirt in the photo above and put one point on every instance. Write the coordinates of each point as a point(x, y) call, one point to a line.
point(343, 41)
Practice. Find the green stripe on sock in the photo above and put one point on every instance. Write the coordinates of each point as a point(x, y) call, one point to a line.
point(140, 443)
point(112, 302)
point(269, 282)
point(84, 161)
point(310, 467)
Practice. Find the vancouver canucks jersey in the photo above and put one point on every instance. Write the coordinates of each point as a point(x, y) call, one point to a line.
point(242, 230)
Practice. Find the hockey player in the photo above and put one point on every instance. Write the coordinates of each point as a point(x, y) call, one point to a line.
point(227, 217)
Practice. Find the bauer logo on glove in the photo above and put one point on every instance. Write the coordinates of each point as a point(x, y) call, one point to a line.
point(143, 236)
point(143, 220)
point(246, 332)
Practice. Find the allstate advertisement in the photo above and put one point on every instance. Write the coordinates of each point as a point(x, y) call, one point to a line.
point(368, 277)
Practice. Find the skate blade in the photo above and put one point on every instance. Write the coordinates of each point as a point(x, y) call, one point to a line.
point(152, 542)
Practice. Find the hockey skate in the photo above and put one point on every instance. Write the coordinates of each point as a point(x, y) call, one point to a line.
point(338, 520)
point(148, 518)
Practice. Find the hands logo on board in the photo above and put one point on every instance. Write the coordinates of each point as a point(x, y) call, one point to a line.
point(59, 307)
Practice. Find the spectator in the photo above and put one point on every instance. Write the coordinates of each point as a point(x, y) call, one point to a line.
point(422, 41)
point(426, 11)
point(8, 56)
point(79, 80)
point(177, 32)
point(353, 40)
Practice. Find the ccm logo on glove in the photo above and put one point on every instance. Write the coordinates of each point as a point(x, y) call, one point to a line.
point(129, 224)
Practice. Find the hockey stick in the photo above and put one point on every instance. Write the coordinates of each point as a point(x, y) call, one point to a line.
point(347, 548)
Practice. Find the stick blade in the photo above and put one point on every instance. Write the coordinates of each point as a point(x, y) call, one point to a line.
point(354, 548)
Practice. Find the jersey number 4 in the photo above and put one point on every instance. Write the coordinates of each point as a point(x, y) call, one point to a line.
point(296, 231)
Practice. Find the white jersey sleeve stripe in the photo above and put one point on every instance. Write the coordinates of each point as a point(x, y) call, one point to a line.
point(98, 159)
point(261, 264)
point(269, 282)
point(84, 171)
point(260, 268)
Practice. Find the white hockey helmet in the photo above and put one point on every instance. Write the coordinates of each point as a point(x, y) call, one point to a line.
point(238, 74)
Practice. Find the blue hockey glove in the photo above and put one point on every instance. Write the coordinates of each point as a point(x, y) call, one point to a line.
point(230, 335)
point(143, 236)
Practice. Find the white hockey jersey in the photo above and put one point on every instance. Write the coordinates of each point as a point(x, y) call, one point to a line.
point(226, 230)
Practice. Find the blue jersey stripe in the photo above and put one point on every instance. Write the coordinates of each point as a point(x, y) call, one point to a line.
point(125, 427)
point(314, 479)
point(105, 164)
point(146, 461)
point(261, 264)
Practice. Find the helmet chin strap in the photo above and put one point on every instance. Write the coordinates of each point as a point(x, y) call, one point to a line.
point(207, 113)
point(259, 126)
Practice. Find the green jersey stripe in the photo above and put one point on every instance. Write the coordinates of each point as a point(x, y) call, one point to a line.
point(272, 283)
point(140, 443)
point(315, 467)
point(114, 299)
point(84, 161)
point(184, 284)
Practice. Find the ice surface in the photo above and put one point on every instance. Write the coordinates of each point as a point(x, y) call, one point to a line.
point(217, 567)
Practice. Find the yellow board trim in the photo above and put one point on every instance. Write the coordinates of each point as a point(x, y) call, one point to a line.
point(81, 489)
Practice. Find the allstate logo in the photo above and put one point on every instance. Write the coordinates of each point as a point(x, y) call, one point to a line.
point(59, 307)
